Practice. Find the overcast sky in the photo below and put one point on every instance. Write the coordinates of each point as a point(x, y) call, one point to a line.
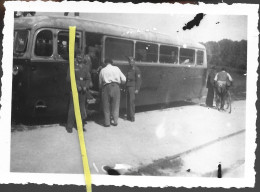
point(211, 28)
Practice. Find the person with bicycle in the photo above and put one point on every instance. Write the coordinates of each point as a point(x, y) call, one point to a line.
point(222, 81)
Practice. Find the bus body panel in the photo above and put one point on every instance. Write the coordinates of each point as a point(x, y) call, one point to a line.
point(162, 85)
point(49, 87)
point(20, 90)
point(45, 91)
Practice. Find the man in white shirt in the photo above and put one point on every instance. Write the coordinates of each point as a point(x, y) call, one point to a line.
point(110, 78)
point(223, 78)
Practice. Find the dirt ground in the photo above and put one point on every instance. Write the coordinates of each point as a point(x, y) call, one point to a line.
point(175, 141)
point(181, 140)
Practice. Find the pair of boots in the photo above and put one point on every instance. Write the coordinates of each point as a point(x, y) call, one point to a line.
point(69, 129)
point(132, 119)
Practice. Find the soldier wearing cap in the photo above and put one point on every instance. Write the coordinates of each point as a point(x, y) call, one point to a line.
point(83, 81)
point(110, 78)
point(133, 84)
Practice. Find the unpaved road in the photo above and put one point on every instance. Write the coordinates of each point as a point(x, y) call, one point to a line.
point(155, 135)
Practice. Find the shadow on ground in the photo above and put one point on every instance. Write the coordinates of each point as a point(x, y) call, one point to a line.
point(41, 122)
point(27, 123)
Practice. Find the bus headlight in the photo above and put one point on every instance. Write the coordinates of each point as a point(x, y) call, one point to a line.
point(15, 70)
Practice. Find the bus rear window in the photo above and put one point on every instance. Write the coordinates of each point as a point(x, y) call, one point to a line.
point(187, 56)
point(118, 49)
point(200, 57)
point(168, 54)
point(20, 41)
point(146, 52)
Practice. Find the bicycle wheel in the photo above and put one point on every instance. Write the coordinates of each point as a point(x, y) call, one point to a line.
point(218, 101)
point(227, 101)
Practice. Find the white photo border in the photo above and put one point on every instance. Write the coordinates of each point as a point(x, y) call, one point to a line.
point(141, 181)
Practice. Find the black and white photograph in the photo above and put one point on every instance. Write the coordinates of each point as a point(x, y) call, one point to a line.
point(166, 94)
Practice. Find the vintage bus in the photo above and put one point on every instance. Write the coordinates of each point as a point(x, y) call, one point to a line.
point(172, 70)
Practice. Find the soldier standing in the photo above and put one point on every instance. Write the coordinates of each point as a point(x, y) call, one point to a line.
point(110, 78)
point(133, 84)
point(87, 61)
point(83, 81)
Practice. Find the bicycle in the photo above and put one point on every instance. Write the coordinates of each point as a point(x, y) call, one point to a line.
point(223, 97)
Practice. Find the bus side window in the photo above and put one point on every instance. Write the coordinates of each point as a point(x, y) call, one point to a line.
point(200, 57)
point(187, 56)
point(20, 41)
point(118, 49)
point(168, 54)
point(93, 48)
point(146, 52)
point(63, 44)
point(44, 43)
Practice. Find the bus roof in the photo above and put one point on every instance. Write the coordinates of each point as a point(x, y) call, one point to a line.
point(101, 28)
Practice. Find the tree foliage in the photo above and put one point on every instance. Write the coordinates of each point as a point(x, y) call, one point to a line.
point(228, 53)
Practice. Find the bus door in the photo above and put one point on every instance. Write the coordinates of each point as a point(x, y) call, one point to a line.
point(93, 47)
point(43, 72)
point(48, 75)
point(62, 58)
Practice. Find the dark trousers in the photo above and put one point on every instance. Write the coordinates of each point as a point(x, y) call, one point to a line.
point(131, 103)
point(71, 122)
point(111, 101)
point(210, 96)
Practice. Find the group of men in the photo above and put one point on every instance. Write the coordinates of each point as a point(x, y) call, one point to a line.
point(110, 80)
point(216, 81)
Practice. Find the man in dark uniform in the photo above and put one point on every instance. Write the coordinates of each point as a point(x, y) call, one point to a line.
point(110, 78)
point(210, 86)
point(133, 83)
point(89, 63)
point(83, 81)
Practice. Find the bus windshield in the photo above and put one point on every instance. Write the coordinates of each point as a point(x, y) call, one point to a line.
point(20, 41)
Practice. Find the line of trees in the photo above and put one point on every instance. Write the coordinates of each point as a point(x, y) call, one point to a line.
point(228, 53)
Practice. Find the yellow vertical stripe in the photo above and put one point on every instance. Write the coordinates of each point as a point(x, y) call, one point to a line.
point(72, 33)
